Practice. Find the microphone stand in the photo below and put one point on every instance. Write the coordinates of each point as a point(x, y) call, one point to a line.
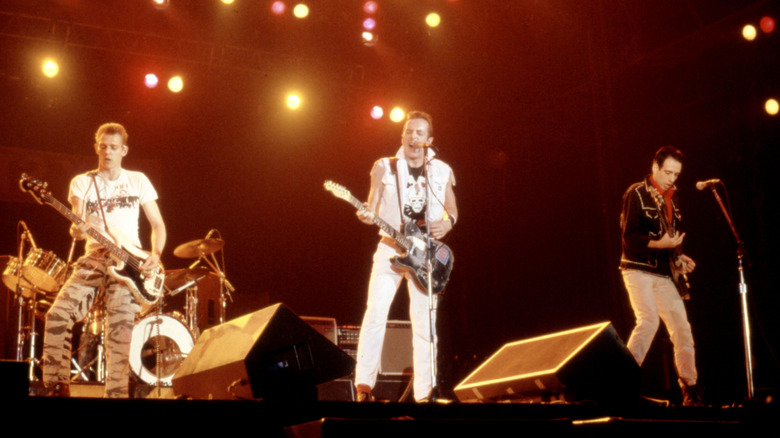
point(434, 394)
point(743, 291)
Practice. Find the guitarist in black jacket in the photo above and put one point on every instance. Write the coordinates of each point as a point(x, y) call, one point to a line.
point(108, 201)
point(654, 269)
point(392, 178)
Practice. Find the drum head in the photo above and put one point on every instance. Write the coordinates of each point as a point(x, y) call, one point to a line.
point(159, 345)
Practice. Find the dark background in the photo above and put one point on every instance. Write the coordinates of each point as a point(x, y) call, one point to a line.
point(546, 110)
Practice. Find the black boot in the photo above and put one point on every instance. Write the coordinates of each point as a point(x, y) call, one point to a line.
point(690, 395)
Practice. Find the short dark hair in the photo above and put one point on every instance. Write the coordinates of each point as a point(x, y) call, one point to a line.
point(421, 115)
point(668, 152)
point(111, 129)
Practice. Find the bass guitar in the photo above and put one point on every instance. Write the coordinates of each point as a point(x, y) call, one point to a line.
point(678, 276)
point(146, 286)
point(412, 240)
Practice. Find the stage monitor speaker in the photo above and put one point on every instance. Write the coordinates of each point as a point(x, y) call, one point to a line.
point(587, 363)
point(271, 353)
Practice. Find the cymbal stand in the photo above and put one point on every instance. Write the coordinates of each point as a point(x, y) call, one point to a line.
point(26, 308)
point(225, 287)
point(192, 310)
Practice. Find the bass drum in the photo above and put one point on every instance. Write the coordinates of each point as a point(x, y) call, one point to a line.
point(159, 345)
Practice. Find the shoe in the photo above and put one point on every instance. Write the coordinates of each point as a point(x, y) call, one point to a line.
point(691, 395)
point(364, 394)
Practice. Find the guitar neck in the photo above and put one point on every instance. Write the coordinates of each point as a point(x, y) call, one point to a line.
point(395, 234)
point(95, 234)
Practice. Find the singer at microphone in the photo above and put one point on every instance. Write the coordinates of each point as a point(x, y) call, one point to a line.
point(399, 194)
point(701, 185)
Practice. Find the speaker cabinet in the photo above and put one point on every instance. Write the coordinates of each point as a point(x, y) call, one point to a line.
point(397, 349)
point(588, 363)
point(271, 353)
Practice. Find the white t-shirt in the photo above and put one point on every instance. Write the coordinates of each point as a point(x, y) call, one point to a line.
point(121, 200)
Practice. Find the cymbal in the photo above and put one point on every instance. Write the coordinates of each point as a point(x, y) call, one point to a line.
point(198, 248)
point(179, 277)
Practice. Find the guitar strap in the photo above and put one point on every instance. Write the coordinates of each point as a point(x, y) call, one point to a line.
point(394, 170)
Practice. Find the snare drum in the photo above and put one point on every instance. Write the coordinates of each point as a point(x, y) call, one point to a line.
point(44, 270)
point(11, 277)
point(167, 334)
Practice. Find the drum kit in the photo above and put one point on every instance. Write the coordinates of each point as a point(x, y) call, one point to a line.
point(195, 299)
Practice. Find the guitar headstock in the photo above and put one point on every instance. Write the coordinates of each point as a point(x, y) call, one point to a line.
point(338, 190)
point(37, 189)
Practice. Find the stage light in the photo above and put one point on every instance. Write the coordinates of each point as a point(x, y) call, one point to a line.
point(278, 7)
point(50, 68)
point(227, 2)
point(293, 101)
point(370, 7)
point(767, 24)
point(771, 107)
point(369, 38)
point(397, 115)
point(377, 112)
point(151, 80)
point(161, 4)
point(301, 10)
point(176, 84)
point(749, 32)
point(369, 24)
point(433, 19)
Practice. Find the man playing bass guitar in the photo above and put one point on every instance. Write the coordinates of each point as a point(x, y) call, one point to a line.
point(108, 198)
point(651, 260)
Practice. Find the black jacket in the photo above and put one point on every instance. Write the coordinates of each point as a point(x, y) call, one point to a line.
point(640, 222)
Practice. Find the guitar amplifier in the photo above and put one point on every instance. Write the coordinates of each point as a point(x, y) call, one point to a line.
point(348, 336)
point(396, 351)
point(325, 326)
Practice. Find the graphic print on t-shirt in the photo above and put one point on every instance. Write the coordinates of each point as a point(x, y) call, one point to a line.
point(115, 200)
point(414, 195)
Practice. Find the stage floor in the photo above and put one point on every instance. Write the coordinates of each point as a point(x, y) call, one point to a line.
point(344, 419)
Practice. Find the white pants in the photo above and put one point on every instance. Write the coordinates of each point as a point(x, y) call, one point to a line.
point(381, 291)
point(653, 296)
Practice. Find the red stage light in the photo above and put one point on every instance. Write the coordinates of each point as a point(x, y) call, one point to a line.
point(767, 24)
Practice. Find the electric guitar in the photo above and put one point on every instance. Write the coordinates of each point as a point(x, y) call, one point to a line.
point(147, 287)
point(412, 240)
point(680, 279)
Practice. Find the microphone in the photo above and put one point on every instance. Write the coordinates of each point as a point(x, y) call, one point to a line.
point(421, 144)
point(28, 234)
point(701, 185)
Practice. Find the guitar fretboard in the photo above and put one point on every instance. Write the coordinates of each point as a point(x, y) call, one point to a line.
point(395, 234)
point(118, 252)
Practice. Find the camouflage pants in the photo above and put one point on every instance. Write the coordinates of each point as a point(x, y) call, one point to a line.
point(72, 304)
